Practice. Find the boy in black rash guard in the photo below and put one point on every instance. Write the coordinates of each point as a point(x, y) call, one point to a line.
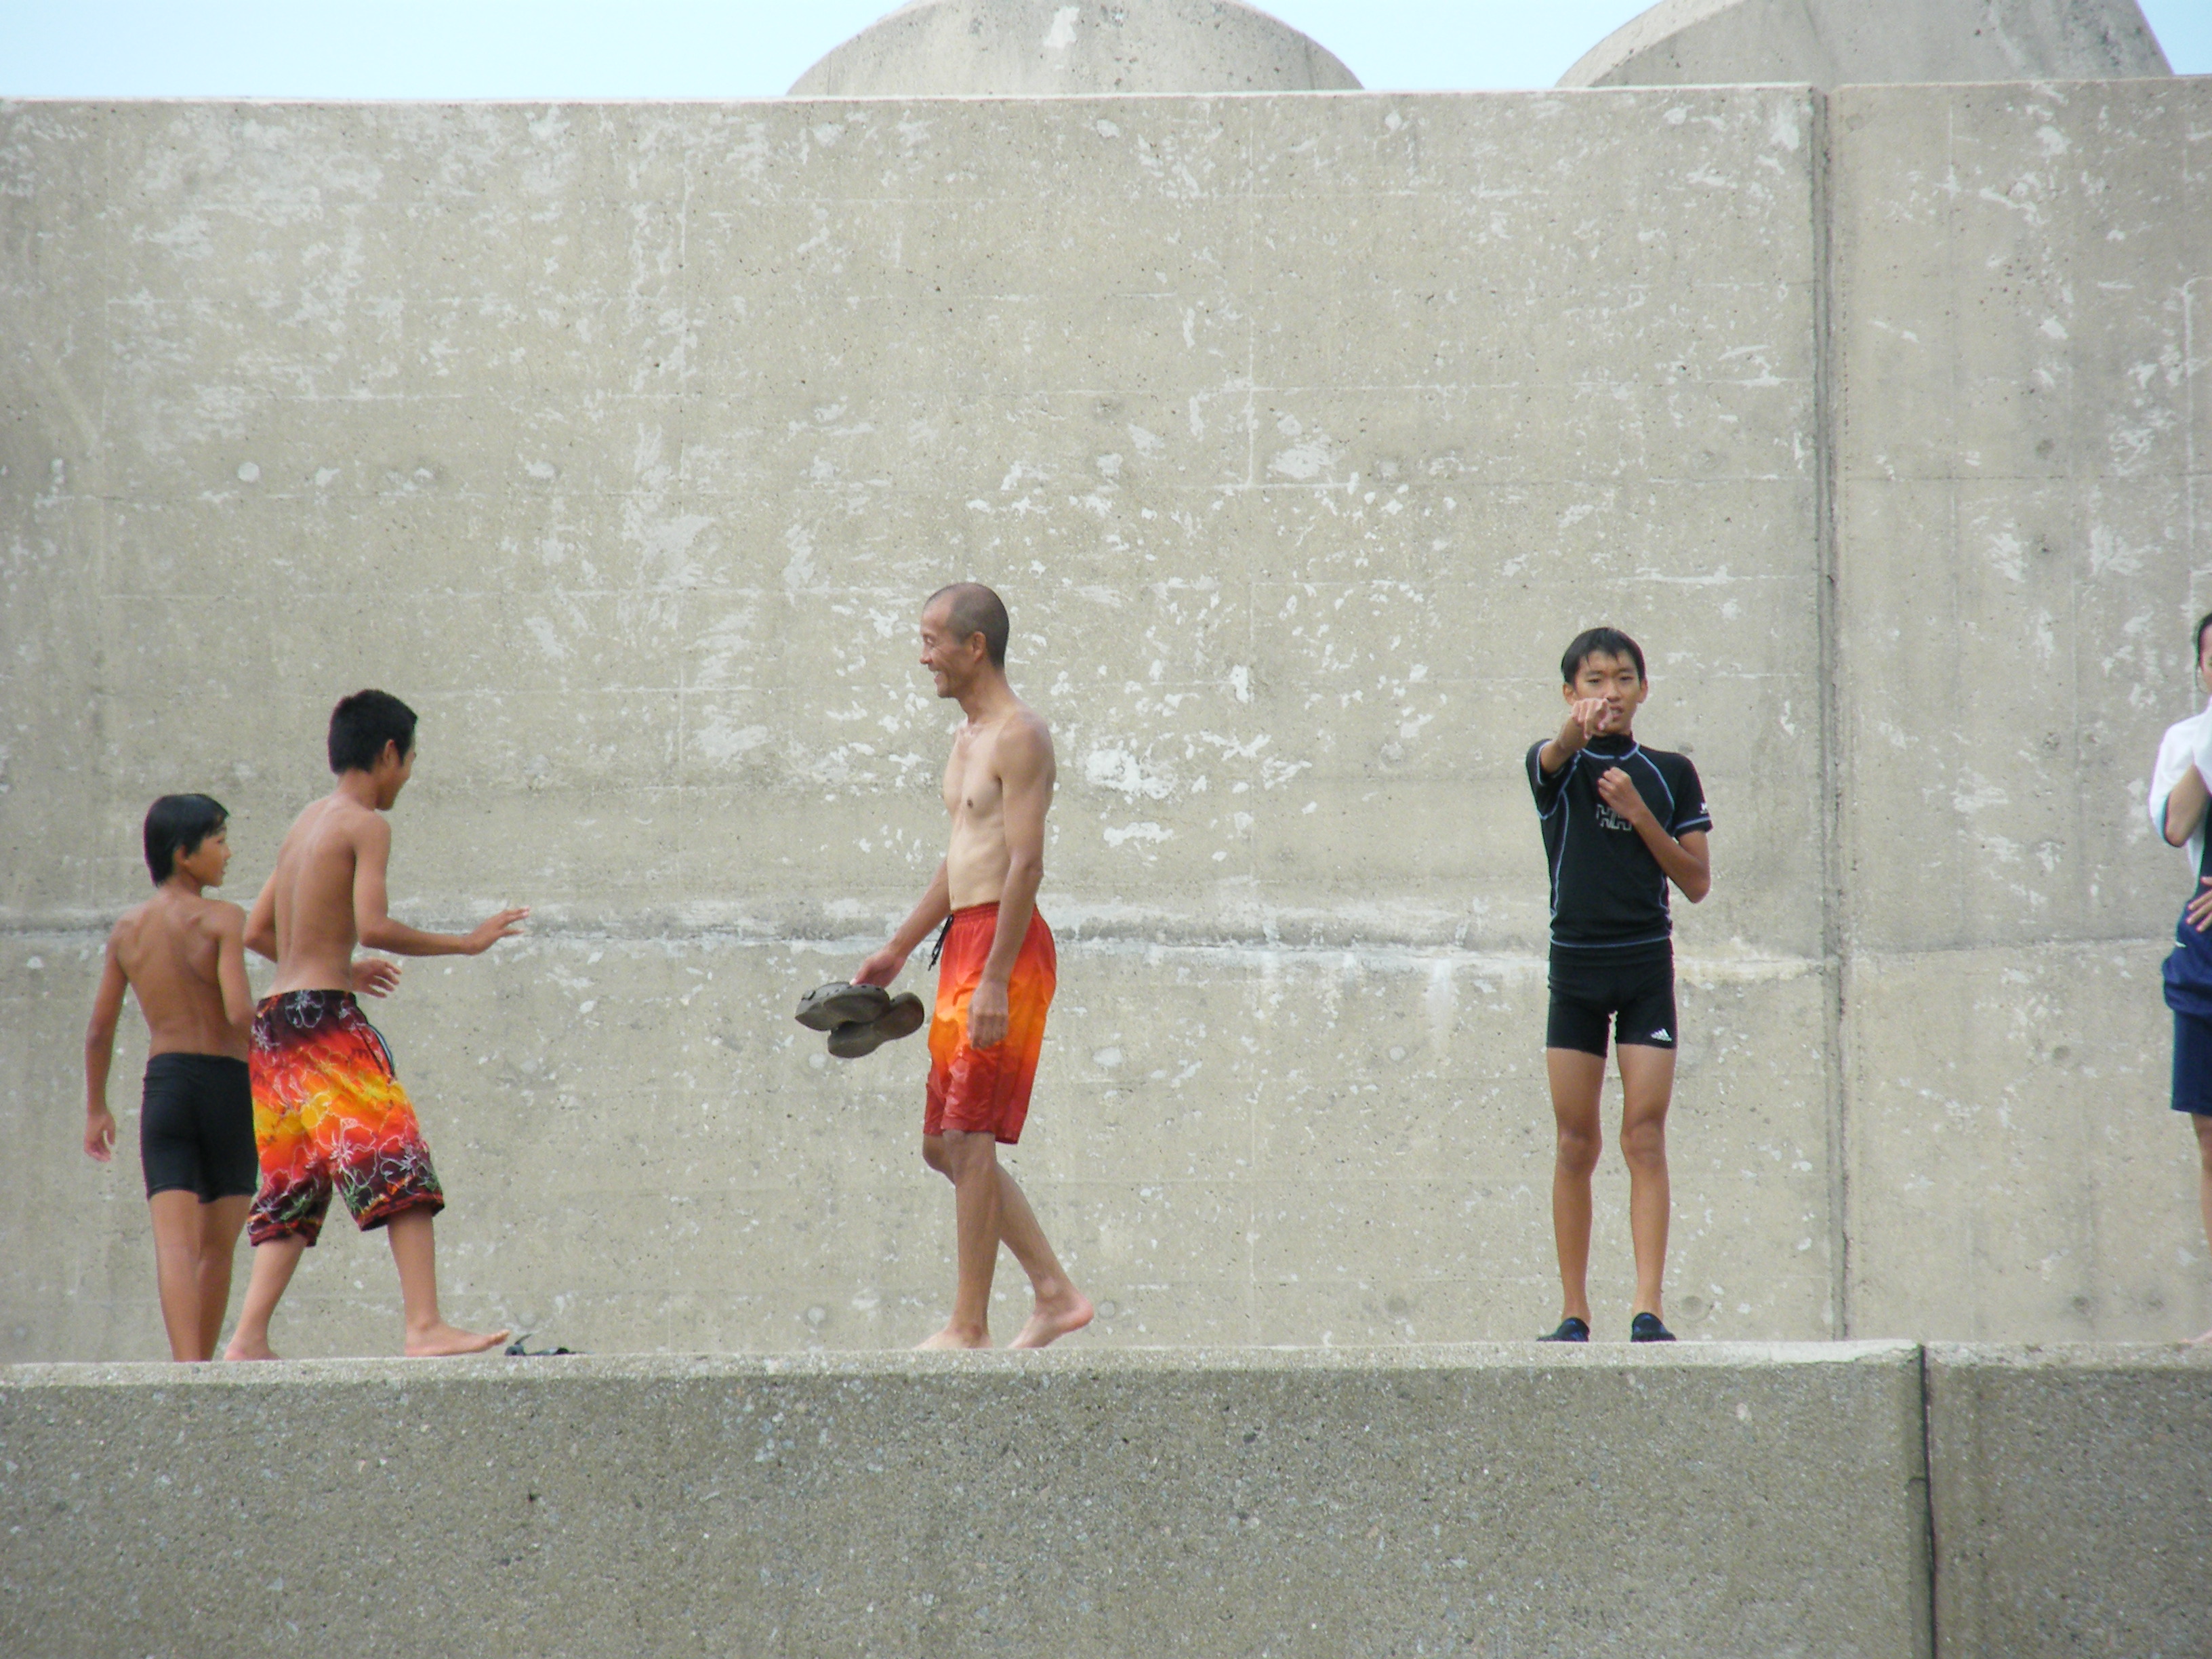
point(1620, 822)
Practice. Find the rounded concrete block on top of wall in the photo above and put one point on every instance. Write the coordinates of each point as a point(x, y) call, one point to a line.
point(1835, 43)
point(1034, 48)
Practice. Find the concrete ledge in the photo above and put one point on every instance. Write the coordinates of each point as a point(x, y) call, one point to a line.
point(1708, 1499)
point(2072, 1500)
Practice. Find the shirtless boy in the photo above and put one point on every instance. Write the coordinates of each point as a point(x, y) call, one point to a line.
point(999, 967)
point(185, 955)
point(1620, 822)
point(328, 1113)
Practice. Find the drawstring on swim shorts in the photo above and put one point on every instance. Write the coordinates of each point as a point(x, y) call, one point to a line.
point(938, 949)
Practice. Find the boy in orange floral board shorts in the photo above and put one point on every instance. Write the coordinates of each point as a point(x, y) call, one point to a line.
point(329, 1113)
point(999, 970)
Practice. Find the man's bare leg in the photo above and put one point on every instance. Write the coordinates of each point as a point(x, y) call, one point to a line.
point(971, 1160)
point(273, 1264)
point(1647, 1086)
point(415, 1253)
point(220, 1223)
point(1058, 1307)
point(1576, 1079)
point(177, 1269)
point(2205, 1189)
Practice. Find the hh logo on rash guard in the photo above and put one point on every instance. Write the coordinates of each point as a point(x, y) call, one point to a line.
point(1609, 819)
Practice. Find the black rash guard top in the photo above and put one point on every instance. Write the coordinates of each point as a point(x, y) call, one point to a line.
point(1607, 891)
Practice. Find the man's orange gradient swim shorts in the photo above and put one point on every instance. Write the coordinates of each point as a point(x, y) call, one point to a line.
point(328, 1114)
point(986, 1091)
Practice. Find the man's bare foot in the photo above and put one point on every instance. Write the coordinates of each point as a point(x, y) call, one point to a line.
point(1055, 1317)
point(950, 1338)
point(443, 1339)
point(240, 1348)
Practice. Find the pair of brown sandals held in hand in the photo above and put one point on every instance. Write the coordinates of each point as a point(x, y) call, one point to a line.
point(859, 1019)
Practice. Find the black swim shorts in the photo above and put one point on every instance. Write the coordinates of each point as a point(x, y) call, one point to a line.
point(1631, 989)
point(196, 1128)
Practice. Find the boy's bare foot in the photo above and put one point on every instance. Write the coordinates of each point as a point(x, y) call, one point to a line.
point(2202, 1340)
point(240, 1348)
point(949, 1337)
point(1054, 1318)
point(444, 1339)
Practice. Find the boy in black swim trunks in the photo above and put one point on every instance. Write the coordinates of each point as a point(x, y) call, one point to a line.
point(184, 954)
point(1620, 822)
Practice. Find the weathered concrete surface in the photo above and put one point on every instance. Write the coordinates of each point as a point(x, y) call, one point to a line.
point(1300, 433)
point(1708, 1500)
point(2021, 551)
point(1837, 43)
point(1031, 48)
point(645, 1152)
point(2070, 1493)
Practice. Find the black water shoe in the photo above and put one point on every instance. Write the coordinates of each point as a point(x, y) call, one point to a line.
point(1571, 1330)
point(1646, 1328)
point(902, 1016)
point(826, 1007)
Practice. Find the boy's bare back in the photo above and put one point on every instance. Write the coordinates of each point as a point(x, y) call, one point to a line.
point(170, 950)
point(312, 889)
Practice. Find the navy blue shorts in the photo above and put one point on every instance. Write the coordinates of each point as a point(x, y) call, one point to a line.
point(2192, 1064)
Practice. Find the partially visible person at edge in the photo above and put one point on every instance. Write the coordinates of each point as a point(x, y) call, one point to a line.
point(329, 1113)
point(2180, 785)
point(998, 973)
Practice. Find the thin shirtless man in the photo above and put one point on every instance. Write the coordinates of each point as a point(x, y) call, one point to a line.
point(999, 967)
point(328, 1113)
point(185, 955)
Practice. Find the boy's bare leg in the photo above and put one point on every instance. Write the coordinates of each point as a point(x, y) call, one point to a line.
point(2205, 1189)
point(1647, 1086)
point(1059, 1307)
point(415, 1253)
point(273, 1263)
point(972, 1161)
point(220, 1223)
point(1576, 1079)
point(177, 1269)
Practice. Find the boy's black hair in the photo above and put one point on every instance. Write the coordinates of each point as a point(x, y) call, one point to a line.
point(2202, 625)
point(362, 723)
point(977, 610)
point(175, 826)
point(1600, 642)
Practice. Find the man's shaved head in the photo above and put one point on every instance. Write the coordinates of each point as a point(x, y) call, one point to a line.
point(971, 609)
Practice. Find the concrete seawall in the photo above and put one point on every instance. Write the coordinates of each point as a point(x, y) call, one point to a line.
point(1710, 1500)
point(1301, 431)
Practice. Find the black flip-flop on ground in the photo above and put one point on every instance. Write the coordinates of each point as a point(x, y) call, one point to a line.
point(1646, 1328)
point(902, 1018)
point(826, 1007)
point(1571, 1330)
point(515, 1350)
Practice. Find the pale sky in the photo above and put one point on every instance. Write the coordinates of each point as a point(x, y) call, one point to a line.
point(714, 49)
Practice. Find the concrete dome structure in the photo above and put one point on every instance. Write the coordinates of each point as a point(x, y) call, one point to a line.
point(1034, 48)
point(1834, 43)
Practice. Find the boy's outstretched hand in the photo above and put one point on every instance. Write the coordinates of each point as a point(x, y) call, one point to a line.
point(490, 932)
